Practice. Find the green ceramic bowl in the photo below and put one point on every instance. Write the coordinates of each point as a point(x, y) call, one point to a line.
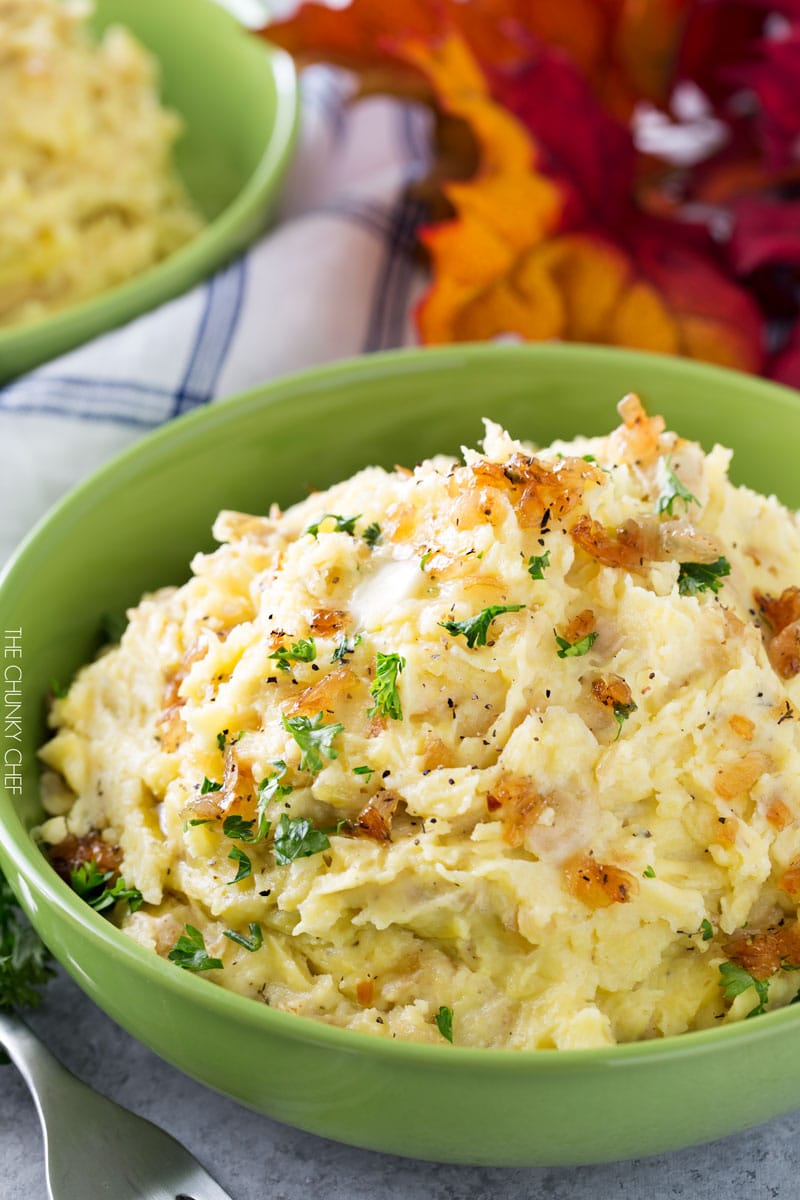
point(238, 98)
point(135, 525)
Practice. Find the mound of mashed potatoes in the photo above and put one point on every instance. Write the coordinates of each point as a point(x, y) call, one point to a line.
point(88, 195)
point(504, 751)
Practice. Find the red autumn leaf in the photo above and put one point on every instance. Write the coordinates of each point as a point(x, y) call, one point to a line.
point(765, 232)
point(785, 366)
point(625, 50)
point(597, 160)
point(773, 74)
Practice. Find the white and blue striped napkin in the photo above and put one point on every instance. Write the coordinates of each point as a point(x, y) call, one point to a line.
point(335, 276)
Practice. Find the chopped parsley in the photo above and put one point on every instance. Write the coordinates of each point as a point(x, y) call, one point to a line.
point(314, 738)
point(222, 737)
point(237, 829)
point(270, 789)
point(23, 957)
point(343, 524)
point(475, 629)
point(59, 690)
point(673, 490)
point(734, 980)
point(707, 929)
point(649, 872)
point(575, 649)
point(344, 647)
point(245, 866)
point(621, 714)
point(208, 785)
point(190, 952)
point(428, 554)
point(91, 884)
point(367, 771)
point(384, 687)
point(302, 651)
point(296, 837)
point(372, 535)
point(254, 942)
point(538, 564)
point(444, 1022)
point(701, 577)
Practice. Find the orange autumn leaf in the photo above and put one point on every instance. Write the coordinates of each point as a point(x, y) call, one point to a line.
point(625, 48)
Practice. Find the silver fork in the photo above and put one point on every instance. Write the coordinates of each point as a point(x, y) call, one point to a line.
point(94, 1148)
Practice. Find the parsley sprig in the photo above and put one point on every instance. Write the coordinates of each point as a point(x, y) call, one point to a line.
point(254, 942)
point(444, 1022)
point(372, 535)
point(24, 960)
point(476, 629)
point(314, 739)
point(245, 868)
point(190, 952)
point(702, 577)
point(92, 885)
point(341, 524)
point(384, 686)
point(344, 647)
point(538, 564)
point(270, 789)
point(575, 649)
point(734, 980)
point(304, 650)
point(672, 491)
point(621, 714)
point(297, 837)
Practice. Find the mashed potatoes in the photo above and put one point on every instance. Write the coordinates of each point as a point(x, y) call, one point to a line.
point(87, 194)
point(505, 750)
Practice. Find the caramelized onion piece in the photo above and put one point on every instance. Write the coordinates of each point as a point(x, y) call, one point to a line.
point(539, 490)
point(783, 637)
point(784, 651)
point(737, 777)
point(780, 611)
point(779, 815)
point(73, 852)
point(597, 885)
point(170, 721)
point(375, 819)
point(365, 992)
point(628, 548)
point(636, 543)
point(612, 692)
point(322, 694)
point(638, 440)
point(520, 803)
point(579, 627)
point(743, 727)
point(327, 621)
point(789, 881)
point(762, 954)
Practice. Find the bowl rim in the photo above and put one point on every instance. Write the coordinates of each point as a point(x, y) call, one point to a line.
point(29, 869)
point(165, 280)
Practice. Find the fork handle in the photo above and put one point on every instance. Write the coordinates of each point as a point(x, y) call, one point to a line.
point(40, 1069)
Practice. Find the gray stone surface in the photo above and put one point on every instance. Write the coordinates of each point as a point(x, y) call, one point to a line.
point(257, 1159)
